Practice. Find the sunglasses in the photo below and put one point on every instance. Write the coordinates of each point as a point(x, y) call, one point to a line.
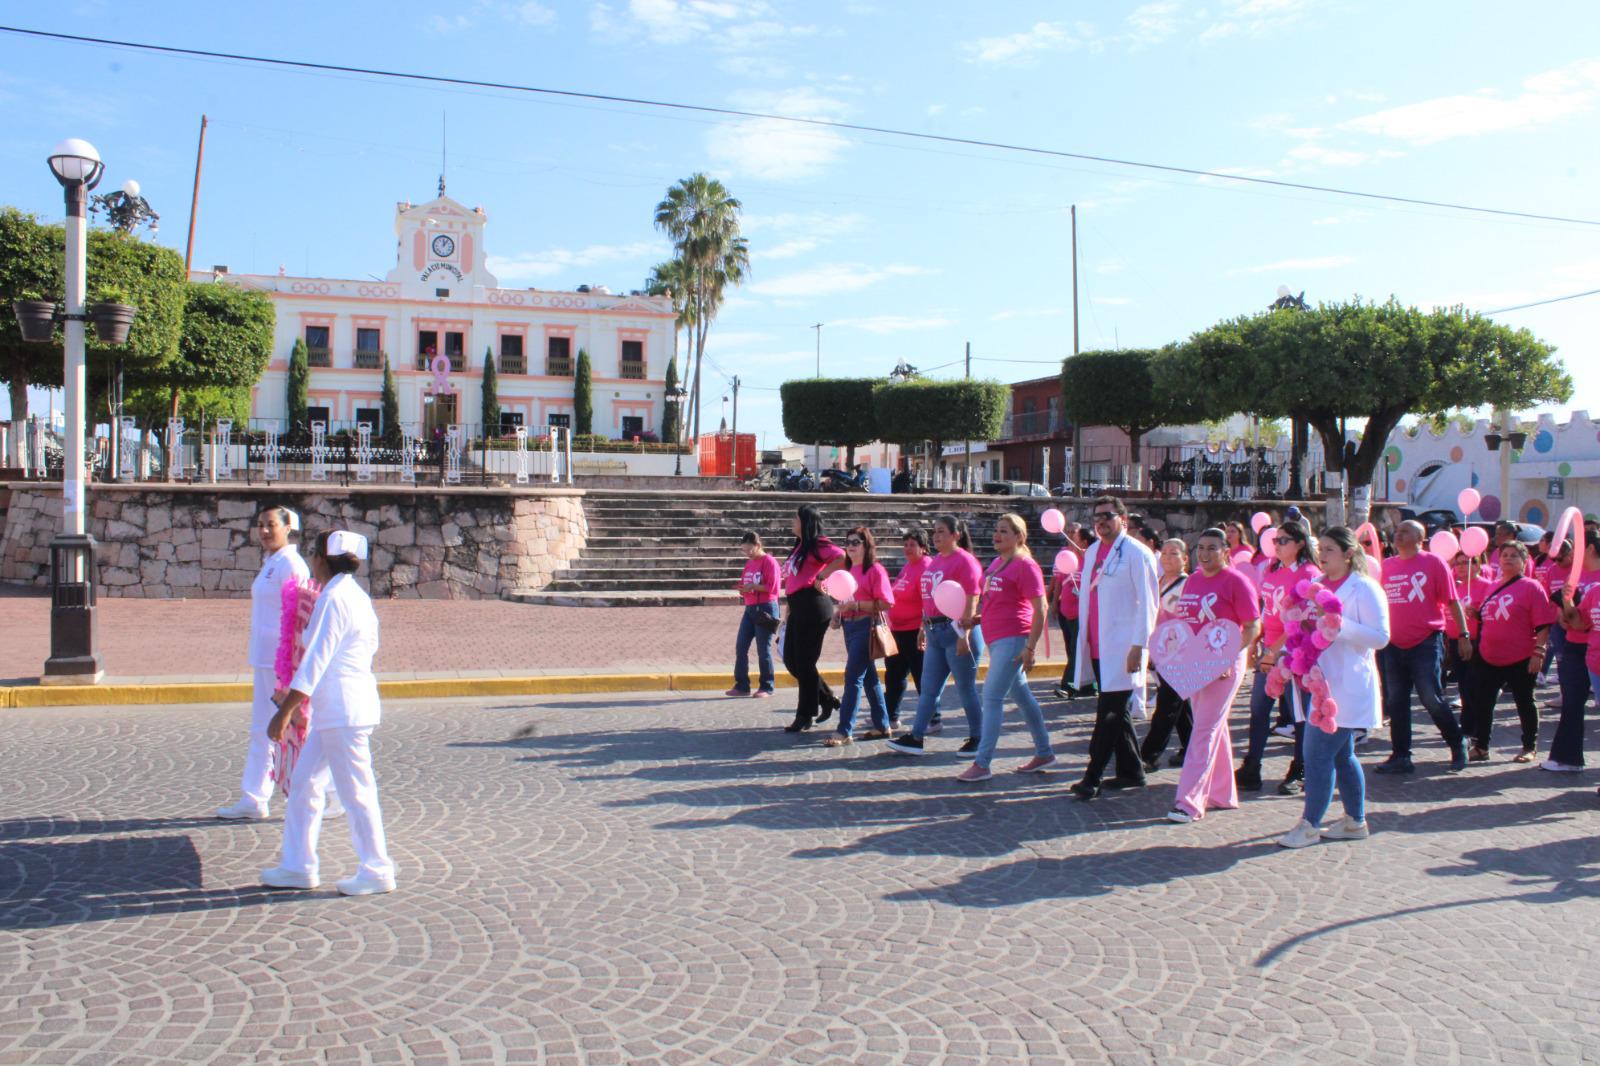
point(1104, 516)
point(854, 542)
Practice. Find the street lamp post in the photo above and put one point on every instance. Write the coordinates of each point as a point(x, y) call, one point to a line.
point(676, 395)
point(74, 658)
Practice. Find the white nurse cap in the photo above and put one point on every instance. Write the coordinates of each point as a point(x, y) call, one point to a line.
point(344, 542)
point(294, 519)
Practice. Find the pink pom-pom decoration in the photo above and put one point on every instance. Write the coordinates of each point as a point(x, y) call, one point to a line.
point(1302, 588)
point(1328, 600)
point(1275, 684)
point(1319, 640)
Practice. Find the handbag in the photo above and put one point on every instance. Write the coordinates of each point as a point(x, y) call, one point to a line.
point(880, 642)
point(766, 622)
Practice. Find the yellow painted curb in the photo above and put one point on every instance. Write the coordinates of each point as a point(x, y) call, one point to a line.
point(24, 696)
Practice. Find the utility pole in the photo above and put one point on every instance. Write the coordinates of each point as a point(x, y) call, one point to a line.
point(969, 443)
point(1077, 431)
point(816, 449)
point(735, 425)
point(194, 202)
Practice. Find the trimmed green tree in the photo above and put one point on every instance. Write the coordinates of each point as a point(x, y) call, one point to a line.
point(299, 383)
point(922, 409)
point(1124, 389)
point(391, 435)
point(583, 396)
point(838, 412)
point(30, 269)
point(671, 414)
point(491, 397)
point(1367, 361)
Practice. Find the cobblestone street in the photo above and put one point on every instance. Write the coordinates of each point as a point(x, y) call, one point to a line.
point(672, 879)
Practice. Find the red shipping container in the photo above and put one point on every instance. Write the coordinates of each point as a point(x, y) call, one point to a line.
point(720, 458)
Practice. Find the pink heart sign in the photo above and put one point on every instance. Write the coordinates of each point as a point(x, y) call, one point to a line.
point(1190, 659)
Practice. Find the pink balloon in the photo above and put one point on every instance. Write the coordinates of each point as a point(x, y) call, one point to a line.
point(1066, 562)
point(1268, 540)
point(1053, 520)
point(1242, 557)
point(1468, 502)
point(1571, 522)
point(1260, 520)
point(1445, 545)
point(950, 598)
point(840, 584)
point(1474, 540)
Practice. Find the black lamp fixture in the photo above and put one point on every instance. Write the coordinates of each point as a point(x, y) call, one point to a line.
point(677, 394)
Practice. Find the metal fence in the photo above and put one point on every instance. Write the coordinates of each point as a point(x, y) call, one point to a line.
point(267, 451)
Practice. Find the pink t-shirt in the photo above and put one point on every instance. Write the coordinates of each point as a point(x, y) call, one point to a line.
point(1228, 594)
point(1065, 587)
point(1589, 607)
point(1480, 587)
point(1586, 580)
point(1008, 593)
point(797, 576)
point(906, 613)
point(764, 570)
point(1509, 618)
point(960, 566)
point(871, 584)
point(1094, 604)
point(1420, 590)
point(1276, 586)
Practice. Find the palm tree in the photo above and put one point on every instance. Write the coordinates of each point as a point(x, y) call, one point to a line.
point(703, 221)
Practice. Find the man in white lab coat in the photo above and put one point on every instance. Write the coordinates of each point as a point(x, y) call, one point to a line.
point(1117, 602)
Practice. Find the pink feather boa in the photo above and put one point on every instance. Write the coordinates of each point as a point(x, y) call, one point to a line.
point(298, 599)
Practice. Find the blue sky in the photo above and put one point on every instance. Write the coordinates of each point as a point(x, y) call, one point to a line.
point(902, 249)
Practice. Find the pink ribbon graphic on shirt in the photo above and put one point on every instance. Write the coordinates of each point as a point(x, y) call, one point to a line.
point(1502, 608)
point(1207, 602)
point(1418, 590)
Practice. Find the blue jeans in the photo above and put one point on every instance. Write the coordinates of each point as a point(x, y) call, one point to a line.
point(939, 662)
point(1261, 706)
point(748, 631)
point(1418, 668)
point(1006, 678)
point(1330, 756)
point(860, 672)
point(1558, 640)
point(1573, 673)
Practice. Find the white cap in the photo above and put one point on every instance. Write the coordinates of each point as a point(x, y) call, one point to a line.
point(344, 542)
point(294, 519)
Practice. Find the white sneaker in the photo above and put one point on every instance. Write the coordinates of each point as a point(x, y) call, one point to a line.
point(1560, 767)
point(1285, 731)
point(1303, 835)
point(278, 877)
point(244, 810)
point(1179, 816)
point(1544, 680)
point(1346, 830)
point(365, 886)
point(335, 807)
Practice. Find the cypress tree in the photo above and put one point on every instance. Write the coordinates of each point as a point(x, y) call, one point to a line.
point(299, 383)
point(491, 397)
point(583, 397)
point(391, 408)
point(671, 417)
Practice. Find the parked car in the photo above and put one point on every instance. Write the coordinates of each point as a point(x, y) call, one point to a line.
point(1432, 520)
point(1015, 488)
point(1527, 532)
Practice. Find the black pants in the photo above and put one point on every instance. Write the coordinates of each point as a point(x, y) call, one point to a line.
point(1172, 710)
point(906, 662)
point(1069, 633)
point(1113, 736)
point(1488, 682)
point(809, 614)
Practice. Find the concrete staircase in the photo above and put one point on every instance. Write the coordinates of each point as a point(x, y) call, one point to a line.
point(649, 549)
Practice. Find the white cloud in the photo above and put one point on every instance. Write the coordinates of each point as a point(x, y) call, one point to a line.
point(1024, 48)
point(774, 150)
point(1255, 18)
point(1325, 262)
point(833, 278)
point(519, 12)
point(1547, 97)
point(1316, 154)
point(536, 265)
point(719, 25)
point(884, 324)
point(1153, 23)
point(935, 109)
point(533, 13)
point(789, 249)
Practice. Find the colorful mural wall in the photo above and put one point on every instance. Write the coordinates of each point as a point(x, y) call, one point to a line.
point(1558, 467)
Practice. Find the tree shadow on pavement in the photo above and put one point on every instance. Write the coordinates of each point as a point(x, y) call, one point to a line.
point(1081, 876)
point(71, 882)
point(65, 826)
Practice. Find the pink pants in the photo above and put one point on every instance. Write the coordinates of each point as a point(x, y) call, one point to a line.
point(1207, 777)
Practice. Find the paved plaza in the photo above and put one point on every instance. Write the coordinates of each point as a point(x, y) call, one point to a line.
point(672, 879)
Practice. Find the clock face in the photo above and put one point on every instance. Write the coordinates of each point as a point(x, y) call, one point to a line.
point(444, 247)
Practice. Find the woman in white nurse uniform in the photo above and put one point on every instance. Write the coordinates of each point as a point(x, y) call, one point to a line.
point(281, 562)
point(336, 678)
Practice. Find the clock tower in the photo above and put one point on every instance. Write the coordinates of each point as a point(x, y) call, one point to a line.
point(440, 254)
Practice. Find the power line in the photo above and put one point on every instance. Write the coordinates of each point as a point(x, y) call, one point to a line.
point(814, 122)
point(1541, 303)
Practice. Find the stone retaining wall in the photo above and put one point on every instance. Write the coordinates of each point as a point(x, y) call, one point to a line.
point(197, 541)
